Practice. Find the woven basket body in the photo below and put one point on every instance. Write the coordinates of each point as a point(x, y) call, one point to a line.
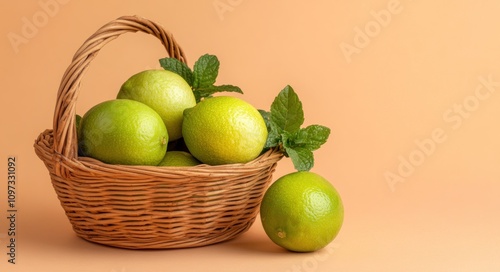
point(145, 207)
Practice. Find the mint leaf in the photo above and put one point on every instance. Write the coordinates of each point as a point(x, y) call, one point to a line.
point(203, 76)
point(284, 123)
point(302, 158)
point(205, 70)
point(286, 110)
point(227, 88)
point(178, 67)
point(209, 90)
point(266, 116)
point(205, 92)
point(274, 136)
point(312, 137)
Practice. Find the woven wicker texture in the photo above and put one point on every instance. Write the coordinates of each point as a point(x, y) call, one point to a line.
point(145, 207)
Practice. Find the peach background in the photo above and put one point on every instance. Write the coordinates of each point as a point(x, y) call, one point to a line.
point(396, 87)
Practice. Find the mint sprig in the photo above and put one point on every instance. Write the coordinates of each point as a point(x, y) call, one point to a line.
point(284, 123)
point(203, 76)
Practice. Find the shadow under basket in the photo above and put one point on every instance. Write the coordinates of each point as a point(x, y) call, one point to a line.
point(145, 207)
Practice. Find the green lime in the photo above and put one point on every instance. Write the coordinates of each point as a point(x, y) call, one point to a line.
point(123, 131)
point(302, 212)
point(178, 158)
point(224, 130)
point(164, 91)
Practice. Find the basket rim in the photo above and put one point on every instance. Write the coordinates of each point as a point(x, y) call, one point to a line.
point(44, 150)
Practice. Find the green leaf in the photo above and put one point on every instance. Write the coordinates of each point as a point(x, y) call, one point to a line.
point(203, 76)
point(266, 116)
point(302, 158)
point(284, 123)
point(286, 110)
point(228, 88)
point(176, 66)
point(208, 91)
point(274, 136)
point(312, 137)
point(205, 70)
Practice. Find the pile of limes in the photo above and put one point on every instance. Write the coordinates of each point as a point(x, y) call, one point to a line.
point(155, 107)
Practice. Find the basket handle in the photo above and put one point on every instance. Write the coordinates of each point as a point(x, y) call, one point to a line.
point(64, 130)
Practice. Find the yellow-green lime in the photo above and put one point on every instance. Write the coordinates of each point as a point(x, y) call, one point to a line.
point(123, 131)
point(302, 212)
point(178, 158)
point(224, 130)
point(164, 91)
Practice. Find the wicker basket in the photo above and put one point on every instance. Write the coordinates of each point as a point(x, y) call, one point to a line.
point(145, 207)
